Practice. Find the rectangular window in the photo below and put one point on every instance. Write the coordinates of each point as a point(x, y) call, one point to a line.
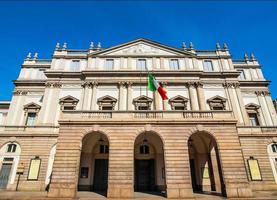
point(109, 64)
point(31, 117)
point(179, 107)
point(253, 119)
point(174, 64)
point(84, 172)
point(141, 64)
point(34, 169)
point(69, 108)
point(208, 66)
point(75, 65)
point(242, 75)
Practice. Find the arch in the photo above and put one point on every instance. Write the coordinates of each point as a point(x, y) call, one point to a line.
point(9, 158)
point(94, 157)
point(205, 164)
point(149, 166)
point(273, 158)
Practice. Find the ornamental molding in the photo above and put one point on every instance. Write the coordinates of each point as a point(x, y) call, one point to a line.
point(231, 85)
point(262, 93)
point(20, 92)
point(89, 84)
point(195, 84)
point(53, 84)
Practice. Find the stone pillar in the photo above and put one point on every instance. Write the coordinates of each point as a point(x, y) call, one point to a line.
point(271, 108)
point(230, 87)
point(18, 112)
point(266, 121)
point(165, 105)
point(121, 167)
point(192, 96)
point(86, 99)
point(242, 107)
point(12, 110)
point(82, 96)
point(201, 97)
point(129, 96)
point(121, 99)
point(93, 105)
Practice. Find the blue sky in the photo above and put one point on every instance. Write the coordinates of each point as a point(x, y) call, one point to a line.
point(247, 26)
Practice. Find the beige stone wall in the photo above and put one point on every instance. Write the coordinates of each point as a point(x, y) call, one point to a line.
point(31, 147)
point(121, 139)
point(256, 146)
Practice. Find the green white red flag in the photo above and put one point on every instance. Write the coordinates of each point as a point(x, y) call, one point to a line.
point(154, 85)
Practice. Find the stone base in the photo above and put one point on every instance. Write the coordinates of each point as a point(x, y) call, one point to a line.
point(120, 191)
point(64, 190)
point(238, 191)
point(178, 193)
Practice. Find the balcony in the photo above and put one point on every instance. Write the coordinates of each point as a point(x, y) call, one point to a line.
point(146, 116)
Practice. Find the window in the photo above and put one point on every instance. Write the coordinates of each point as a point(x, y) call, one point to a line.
point(217, 103)
point(141, 64)
point(109, 64)
point(31, 118)
point(253, 114)
point(11, 148)
point(174, 64)
point(274, 148)
point(103, 148)
point(253, 119)
point(75, 65)
point(142, 103)
point(208, 66)
point(106, 102)
point(242, 75)
point(178, 103)
point(144, 149)
point(84, 172)
point(68, 103)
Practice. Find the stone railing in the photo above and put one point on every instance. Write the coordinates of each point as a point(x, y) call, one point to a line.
point(146, 115)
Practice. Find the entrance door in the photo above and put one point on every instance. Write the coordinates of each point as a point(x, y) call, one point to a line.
point(144, 175)
point(5, 174)
point(100, 179)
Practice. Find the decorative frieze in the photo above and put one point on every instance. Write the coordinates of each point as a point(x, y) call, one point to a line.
point(262, 93)
point(90, 84)
point(231, 85)
point(53, 84)
point(195, 84)
point(20, 92)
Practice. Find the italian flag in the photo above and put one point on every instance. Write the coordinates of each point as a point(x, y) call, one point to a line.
point(154, 85)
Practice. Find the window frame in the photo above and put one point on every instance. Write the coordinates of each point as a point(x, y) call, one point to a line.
point(12, 147)
point(204, 68)
point(242, 75)
point(172, 65)
point(138, 67)
point(106, 64)
point(73, 66)
point(142, 101)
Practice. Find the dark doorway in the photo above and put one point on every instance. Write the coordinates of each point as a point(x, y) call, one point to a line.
point(4, 175)
point(100, 180)
point(144, 175)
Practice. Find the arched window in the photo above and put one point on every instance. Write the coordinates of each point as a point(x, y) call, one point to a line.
point(144, 149)
point(274, 148)
point(11, 148)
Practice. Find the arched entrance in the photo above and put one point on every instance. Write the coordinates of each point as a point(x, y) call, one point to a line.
point(205, 167)
point(94, 162)
point(149, 173)
point(9, 160)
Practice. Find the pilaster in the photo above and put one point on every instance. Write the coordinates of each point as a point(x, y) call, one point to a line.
point(192, 96)
point(264, 112)
point(122, 97)
point(129, 96)
point(93, 103)
point(201, 97)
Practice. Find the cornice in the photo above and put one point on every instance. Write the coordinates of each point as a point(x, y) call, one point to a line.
point(254, 83)
point(29, 82)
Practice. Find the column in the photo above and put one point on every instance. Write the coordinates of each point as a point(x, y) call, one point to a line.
point(201, 97)
point(192, 96)
point(242, 107)
point(230, 87)
point(129, 96)
point(82, 96)
point(121, 99)
point(263, 115)
point(270, 106)
point(93, 105)
point(19, 112)
point(85, 103)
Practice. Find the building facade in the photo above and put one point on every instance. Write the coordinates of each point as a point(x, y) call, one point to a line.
point(85, 121)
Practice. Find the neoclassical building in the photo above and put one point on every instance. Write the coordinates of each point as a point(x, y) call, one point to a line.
point(84, 120)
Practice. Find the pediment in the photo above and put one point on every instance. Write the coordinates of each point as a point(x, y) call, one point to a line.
point(252, 106)
point(178, 98)
point(32, 105)
point(69, 99)
point(142, 47)
point(107, 98)
point(143, 98)
point(217, 98)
